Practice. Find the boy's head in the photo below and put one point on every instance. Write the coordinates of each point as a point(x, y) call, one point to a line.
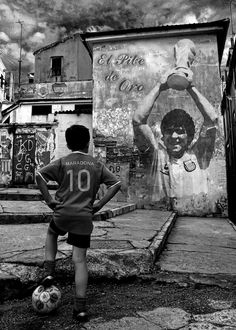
point(77, 137)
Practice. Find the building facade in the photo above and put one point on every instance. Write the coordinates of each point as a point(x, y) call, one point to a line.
point(60, 95)
point(162, 136)
point(228, 108)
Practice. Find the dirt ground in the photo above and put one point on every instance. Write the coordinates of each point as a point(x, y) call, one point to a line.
point(112, 300)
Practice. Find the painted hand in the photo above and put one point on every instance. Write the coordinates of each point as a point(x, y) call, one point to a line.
point(96, 207)
point(163, 86)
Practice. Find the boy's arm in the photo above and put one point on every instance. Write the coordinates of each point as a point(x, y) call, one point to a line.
point(108, 196)
point(50, 200)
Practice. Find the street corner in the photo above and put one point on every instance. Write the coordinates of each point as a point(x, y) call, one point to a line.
point(119, 264)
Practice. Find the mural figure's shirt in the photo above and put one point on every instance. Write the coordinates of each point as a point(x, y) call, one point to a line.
point(177, 178)
point(186, 176)
point(79, 176)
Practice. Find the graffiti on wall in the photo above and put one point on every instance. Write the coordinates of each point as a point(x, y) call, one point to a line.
point(24, 158)
point(23, 151)
point(45, 146)
point(5, 157)
point(166, 95)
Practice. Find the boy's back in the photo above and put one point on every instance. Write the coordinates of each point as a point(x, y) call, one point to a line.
point(79, 176)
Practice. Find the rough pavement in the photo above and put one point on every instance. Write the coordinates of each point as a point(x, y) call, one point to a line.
point(123, 244)
point(199, 250)
point(160, 318)
point(171, 319)
point(202, 250)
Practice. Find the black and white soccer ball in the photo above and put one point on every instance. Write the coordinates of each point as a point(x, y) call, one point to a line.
point(46, 299)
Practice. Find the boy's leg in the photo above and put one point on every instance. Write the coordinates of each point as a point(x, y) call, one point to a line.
point(81, 281)
point(81, 271)
point(50, 252)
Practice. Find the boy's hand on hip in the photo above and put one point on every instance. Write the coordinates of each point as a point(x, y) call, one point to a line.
point(53, 204)
point(96, 207)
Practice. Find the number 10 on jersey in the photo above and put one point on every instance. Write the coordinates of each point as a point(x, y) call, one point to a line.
point(83, 179)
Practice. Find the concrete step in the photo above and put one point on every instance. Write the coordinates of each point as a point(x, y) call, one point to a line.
point(23, 212)
point(21, 194)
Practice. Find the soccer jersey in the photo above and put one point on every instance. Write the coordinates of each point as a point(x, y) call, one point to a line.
point(79, 176)
point(177, 178)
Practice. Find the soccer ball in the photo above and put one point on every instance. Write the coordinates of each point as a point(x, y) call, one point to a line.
point(46, 300)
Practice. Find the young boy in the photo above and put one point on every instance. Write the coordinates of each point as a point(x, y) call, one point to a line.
point(79, 176)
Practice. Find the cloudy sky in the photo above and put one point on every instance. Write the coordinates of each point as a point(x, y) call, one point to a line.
point(46, 21)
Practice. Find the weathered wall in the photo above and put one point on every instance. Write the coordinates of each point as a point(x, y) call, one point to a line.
point(23, 150)
point(57, 90)
point(124, 74)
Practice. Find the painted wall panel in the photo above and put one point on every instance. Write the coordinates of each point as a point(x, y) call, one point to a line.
point(23, 168)
point(24, 150)
point(172, 164)
point(6, 143)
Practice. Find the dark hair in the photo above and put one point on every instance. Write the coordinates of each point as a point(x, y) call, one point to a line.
point(77, 137)
point(176, 118)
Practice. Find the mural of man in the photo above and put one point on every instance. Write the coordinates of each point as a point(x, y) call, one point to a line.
point(178, 159)
point(177, 162)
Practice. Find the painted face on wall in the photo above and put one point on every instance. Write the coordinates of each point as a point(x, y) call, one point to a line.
point(175, 139)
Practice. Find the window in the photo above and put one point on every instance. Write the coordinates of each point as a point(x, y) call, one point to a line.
point(31, 77)
point(41, 110)
point(83, 108)
point(56, 66)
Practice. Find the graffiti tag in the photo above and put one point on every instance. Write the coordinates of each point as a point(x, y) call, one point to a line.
point(23, 160)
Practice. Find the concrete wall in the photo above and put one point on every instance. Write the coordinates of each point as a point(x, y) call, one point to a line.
point(64, 121)
point(23, 114)
point(124, 74)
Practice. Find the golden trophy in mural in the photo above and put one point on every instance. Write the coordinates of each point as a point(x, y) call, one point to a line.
point(181, 76)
